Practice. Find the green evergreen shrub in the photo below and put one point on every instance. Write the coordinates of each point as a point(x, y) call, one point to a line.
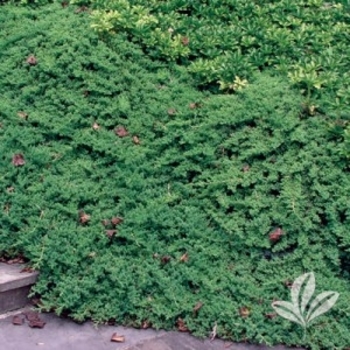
point(200, 181)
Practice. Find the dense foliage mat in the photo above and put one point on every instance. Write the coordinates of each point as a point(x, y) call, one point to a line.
point(145, 201)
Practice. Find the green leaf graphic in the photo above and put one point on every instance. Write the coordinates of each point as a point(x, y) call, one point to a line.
point(322, 303)
point(292, 313)
point(308, 292)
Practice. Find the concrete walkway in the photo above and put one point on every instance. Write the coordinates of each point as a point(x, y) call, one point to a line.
point(64, 334)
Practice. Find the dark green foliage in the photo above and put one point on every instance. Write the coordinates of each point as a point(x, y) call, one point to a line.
point(212, 181)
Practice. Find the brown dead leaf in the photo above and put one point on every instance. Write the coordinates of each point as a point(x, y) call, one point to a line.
point(31, 315)
point(145, 324)
point(118, 338)
point(31, 60)
point(18, 160)
point(275, 235)
point(81, 9)
point(36, 323)
point(213, 333)
point(23, 115)
point(271, 315)
point(95, 126)
point(184, 257)
point(18, 260)
point(165, 259)
point(171, 111)
point(116, 221)
point(244, 311)
point(246, 168)
point(10, 189)
point(181, 326)
point(64, 4)
point(27, 269)
point(111, 233)
point(121, 131)
point(17, 320)
point(136, 140)
point(185, 40)
point(198, 306)
point(83, 217)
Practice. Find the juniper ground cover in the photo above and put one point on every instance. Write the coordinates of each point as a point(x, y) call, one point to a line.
point(144, 200)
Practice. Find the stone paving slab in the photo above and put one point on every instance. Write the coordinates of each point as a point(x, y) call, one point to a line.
point(14, 286)
point(64, 334)
point(11, 277)
point(184, 341)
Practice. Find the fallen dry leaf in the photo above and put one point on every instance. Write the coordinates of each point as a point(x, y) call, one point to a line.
point(18, 160)
point(34, 319)
point(22, 115)
point(181, 326)
point(276, 235)
point(165, 259)
point(111, 233)
point(213, 332)
point(145, 324)
point(17, 320)
point(184, 257)
point(31, 315)
point(244, 311)
point(31, 60)
point(136, 140)
point(118, 338)
point(10, 189)
point(171, 111)
point(116, 221)
point(36, 323)
point(271, 315)
point(185, 40)
point(121, 131)
point(95, 126)
point(18, 260)
point(81, 9)
point(246, 168)
point(197, 306)
point(27, 269)
point(83, 217)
